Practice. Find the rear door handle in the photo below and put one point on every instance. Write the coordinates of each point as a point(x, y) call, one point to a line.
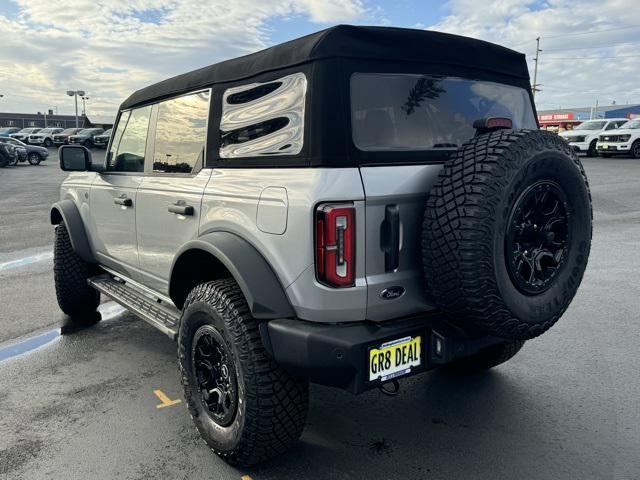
point(123, 200)
point(391, 238)
point(181, 208)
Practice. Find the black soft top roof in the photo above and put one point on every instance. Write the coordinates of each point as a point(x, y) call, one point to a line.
point(346, 41)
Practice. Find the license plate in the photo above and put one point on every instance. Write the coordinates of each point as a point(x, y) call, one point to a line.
point(395, 358)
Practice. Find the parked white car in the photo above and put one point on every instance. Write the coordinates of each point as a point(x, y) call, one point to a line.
point(625, 140)
point(44, 136)
point(584, 137)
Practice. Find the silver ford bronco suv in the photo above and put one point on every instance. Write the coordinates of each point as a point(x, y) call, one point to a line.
point(349, 208)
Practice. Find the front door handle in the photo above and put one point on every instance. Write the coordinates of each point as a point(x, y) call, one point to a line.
point(181, 208)
point(123, 200)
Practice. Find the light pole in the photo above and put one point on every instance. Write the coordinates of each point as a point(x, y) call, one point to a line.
point(74, 94)
point(84, 110)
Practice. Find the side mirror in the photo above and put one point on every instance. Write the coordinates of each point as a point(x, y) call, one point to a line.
point(74, 158)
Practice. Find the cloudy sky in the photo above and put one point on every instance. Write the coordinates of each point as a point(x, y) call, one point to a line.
point(110, 48)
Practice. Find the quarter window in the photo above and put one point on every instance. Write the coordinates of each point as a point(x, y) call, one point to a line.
point(181, 131)
point(262, 119)
point(130, 141)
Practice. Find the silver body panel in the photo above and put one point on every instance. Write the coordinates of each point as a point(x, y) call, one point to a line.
point(273, 210)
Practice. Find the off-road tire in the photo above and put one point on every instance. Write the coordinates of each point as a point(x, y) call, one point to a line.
point(75, 297)
point(272, 406)
point(486, 358)
point(34, 159)
point(463, 240)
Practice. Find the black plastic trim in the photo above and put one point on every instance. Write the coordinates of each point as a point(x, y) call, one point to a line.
point(67, 211)
point(257, 280)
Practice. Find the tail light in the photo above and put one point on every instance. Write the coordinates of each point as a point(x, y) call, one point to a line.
point(335, 244)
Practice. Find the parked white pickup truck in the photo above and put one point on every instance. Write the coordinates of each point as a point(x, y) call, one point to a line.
point(584, 137)
point(624, 140)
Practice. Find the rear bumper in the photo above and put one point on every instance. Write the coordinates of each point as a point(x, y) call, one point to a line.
point(337, 355)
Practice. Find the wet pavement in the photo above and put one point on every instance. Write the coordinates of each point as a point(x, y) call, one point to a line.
point(79, 404)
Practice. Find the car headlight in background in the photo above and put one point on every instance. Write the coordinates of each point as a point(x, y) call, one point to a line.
point(575, 139)
point(624, 138)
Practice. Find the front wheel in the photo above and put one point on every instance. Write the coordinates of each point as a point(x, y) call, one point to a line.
point(34, 158)
point(244, 405)
point(635, 150)
point(593, 151)
point(75, 297)
point(48, 143)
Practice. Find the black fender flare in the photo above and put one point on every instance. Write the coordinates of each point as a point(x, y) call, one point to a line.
point(66, 210)
point(257, 280)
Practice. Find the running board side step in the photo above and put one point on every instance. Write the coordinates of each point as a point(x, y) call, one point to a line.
point(160, 315)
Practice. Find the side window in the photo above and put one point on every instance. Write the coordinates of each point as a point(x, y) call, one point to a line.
point(611, 126)
point(130, 141)
point(181, 131)
point(264, 118)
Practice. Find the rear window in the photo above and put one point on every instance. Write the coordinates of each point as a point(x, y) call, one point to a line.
point(391, 112)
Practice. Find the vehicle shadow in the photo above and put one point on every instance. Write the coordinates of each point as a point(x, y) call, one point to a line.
point(438, 425)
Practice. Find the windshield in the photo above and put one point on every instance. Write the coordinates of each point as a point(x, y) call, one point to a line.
point(631, 124)
point(595, 125)
point(46, 130)
point(108, 132)
point(69, 131)
point(419, 112)
point(6, 129)
point(86, 131)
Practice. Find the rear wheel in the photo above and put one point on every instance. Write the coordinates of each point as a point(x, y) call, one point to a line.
point(75, 297)
point(507, 233)
point(486, 358)
point(34, 158)
point(244, 405)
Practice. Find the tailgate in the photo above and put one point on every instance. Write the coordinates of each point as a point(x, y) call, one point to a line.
point(395, 198)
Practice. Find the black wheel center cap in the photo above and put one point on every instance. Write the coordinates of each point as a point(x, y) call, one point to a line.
point(537, 237)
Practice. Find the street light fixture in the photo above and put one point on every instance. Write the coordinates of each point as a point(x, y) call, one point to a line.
point(84, 110)
point(74, 94)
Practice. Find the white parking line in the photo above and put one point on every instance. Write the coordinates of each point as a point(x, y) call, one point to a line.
point(24, 261)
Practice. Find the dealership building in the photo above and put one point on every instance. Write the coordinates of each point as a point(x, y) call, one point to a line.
point(49, 119)
point(568, 117)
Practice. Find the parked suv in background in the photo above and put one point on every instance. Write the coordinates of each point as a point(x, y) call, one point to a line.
point(23, 135)
point(6, 131)
point(25, 152)
point(349, 208)
point(625, 140)
point(62, 138)
point(85, 137)
point(44, 137)
point(584, 137)
point(102, 140)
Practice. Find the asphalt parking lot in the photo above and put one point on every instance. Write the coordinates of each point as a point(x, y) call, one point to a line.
point(85, 404)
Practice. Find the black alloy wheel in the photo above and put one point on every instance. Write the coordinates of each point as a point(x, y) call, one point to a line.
point(635, 149)
point(216, 375)
point(537, 237)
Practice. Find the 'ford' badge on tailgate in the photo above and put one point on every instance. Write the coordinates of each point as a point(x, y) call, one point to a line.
point(392, 292)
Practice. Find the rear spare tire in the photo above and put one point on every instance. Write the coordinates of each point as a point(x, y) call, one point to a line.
point(507, 233)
